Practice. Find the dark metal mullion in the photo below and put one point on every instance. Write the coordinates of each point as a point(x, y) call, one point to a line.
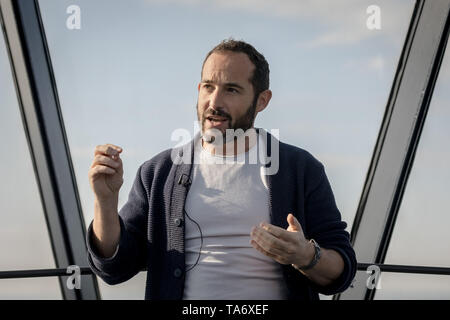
point(7, 9)
point(30, 148)
point(393, 94)
point(58, 272)
point(57, 151)
point(410, 93)
point(421, 117)
point(41, 115)
point(392, 268)
point(391, 102)
point(409, 160)
point(63, 128)
point(386, 118)
point(406, 269)
point(41, 121)
point(415, 140)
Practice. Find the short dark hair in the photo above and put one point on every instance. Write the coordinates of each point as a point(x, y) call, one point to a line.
point(260, 76)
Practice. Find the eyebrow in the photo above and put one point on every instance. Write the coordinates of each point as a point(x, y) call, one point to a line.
point(228, 84)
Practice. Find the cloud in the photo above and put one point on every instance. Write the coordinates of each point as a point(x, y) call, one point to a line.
point(338, 37)
point(346, 24)
point(341, 22)
point(375, 64)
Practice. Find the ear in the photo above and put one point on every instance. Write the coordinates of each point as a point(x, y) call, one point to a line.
point(263, 100)
point(198, 87)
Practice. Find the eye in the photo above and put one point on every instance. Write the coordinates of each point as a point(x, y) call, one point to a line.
point(233, 90)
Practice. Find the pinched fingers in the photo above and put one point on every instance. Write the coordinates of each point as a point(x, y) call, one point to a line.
point(107, 161)
point(99, 169)
point(108, 155)
point(108, 150)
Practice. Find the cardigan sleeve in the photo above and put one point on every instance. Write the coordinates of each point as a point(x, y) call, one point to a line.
point(324, 224)
point(130, 255)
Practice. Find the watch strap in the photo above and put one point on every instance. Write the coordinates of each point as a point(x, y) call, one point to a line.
point(317, 254)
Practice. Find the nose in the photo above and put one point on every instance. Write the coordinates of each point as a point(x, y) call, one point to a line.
point(216, 100)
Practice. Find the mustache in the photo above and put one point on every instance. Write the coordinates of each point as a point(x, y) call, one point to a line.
point(218, 113)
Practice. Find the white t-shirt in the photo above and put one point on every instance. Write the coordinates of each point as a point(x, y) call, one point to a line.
point(226, 201)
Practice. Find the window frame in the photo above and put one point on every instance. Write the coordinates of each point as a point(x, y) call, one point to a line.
point(44, 129)
point(391, 163)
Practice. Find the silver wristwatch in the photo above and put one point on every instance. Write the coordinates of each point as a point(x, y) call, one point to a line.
point(316, 256)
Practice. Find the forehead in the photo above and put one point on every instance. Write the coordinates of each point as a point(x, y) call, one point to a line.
point(228, 66)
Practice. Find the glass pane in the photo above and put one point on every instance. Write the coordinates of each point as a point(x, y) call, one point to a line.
point(133, 289)
point(24, 239)
point(127, 74)
point(41, 288)
point(402, 286)
point(421, 236)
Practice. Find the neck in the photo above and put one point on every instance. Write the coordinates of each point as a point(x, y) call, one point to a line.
point(240, 144)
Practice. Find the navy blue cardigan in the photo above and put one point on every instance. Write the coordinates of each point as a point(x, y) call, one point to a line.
point(152, 228)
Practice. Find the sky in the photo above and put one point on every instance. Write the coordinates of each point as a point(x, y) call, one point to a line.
point(129, 77)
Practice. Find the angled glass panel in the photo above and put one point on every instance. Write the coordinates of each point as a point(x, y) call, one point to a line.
point(24, 239)
point(403, 286)
point(421, 236)
point(132, 289)
point(41, 288)
point(127, 74)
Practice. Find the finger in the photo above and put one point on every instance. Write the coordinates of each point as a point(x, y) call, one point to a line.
point(276, 231)
point(106, 161)
point(115, 163)
point(262, 235)
point(120, 167)
point(269, 242)
point(294, 225)
point(117, 148)
point(101, 169)
point(118, 161)
point(277, 258)
point(115, 156)
point(108, 149)
point(260, 249)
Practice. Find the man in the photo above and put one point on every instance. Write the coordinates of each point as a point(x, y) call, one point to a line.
point(206, 227)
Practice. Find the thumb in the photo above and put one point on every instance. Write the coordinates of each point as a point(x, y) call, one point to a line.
point(294, 225)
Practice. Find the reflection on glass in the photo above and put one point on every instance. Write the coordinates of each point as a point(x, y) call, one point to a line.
point(398, 286)
point(24, 239)
point(421, 236)
point(129, 75)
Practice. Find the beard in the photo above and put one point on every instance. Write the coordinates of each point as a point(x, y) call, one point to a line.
point(244, 122)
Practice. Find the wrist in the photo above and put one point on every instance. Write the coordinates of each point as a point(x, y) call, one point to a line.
point(311, 254)
point(312, 257)
point(108, 203)
point(105, 210)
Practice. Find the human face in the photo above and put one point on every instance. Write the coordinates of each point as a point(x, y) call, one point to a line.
point(226, 95)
